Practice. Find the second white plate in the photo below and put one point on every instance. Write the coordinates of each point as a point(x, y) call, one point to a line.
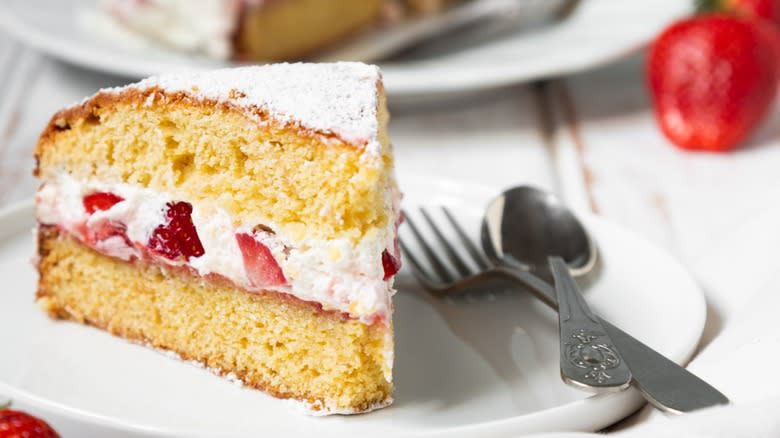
point(598, 31)
point(484, 366)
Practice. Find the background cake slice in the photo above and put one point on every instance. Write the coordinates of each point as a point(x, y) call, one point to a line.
point(267, 30)
point(243, 218)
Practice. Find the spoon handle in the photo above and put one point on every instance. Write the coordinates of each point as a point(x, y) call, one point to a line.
point(666, 385)
point(589, 359)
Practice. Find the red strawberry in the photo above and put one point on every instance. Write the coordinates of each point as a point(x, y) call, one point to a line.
point(16, 424)
point(261, 266)
point(764, 9)
point(177, 239)
point(105, 230)
point(100, 201)
point(712, 79)
point(752, 9)
point(390, 264)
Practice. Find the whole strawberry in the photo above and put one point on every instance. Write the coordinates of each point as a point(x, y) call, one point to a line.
point(712, 80)
point(16, 424)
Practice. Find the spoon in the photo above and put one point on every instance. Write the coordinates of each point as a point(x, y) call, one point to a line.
point(524, 226)
point(533, 230)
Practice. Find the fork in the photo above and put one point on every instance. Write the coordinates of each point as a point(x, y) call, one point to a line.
point(588, 359)
point(666, 385)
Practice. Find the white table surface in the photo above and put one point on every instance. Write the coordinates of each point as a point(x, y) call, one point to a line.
point(601, 151)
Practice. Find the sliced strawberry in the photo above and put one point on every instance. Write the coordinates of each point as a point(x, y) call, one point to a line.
point(106, 230)
point(390, 263)
point(100, 201)
point(177, 239)
point(97, 231)
point(261, 266)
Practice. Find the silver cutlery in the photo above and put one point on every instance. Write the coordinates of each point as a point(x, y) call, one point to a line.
point(534, 232)
point(589, 358)
point(662, 382)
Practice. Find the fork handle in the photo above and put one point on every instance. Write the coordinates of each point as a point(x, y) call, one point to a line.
point(665, 384)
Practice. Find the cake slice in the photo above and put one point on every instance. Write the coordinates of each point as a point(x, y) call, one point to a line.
point(242, 218)
point(261, 30)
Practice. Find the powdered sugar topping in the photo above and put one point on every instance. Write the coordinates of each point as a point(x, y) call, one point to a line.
point(330, 98)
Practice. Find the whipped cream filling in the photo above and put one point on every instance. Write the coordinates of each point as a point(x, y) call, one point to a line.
point(197, 26)
point(335, 273)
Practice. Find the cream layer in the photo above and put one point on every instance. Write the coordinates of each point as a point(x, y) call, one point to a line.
point(335, 273)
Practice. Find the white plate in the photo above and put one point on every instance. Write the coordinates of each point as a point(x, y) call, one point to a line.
point(475, 367)
point(597, 31)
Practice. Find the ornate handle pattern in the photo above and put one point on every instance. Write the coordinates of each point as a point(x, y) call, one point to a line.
point(589, 359)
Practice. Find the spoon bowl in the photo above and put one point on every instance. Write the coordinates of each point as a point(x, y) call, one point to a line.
point(524, 226)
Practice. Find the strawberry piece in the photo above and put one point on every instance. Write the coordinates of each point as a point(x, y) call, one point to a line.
point(20, 424)
point(177, 239)
point(390, 263)
point(96, 232)
point(106, 230)
point(100, 201)
point(712, 79)
point(261, 266)
point(109, 229)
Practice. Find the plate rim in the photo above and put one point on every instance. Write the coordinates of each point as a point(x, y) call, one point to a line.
point(628, 401)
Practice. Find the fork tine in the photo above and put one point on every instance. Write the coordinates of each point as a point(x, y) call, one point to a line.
point(476, 256)
point(456, 260)
point(434, 260)
point(422, 274)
